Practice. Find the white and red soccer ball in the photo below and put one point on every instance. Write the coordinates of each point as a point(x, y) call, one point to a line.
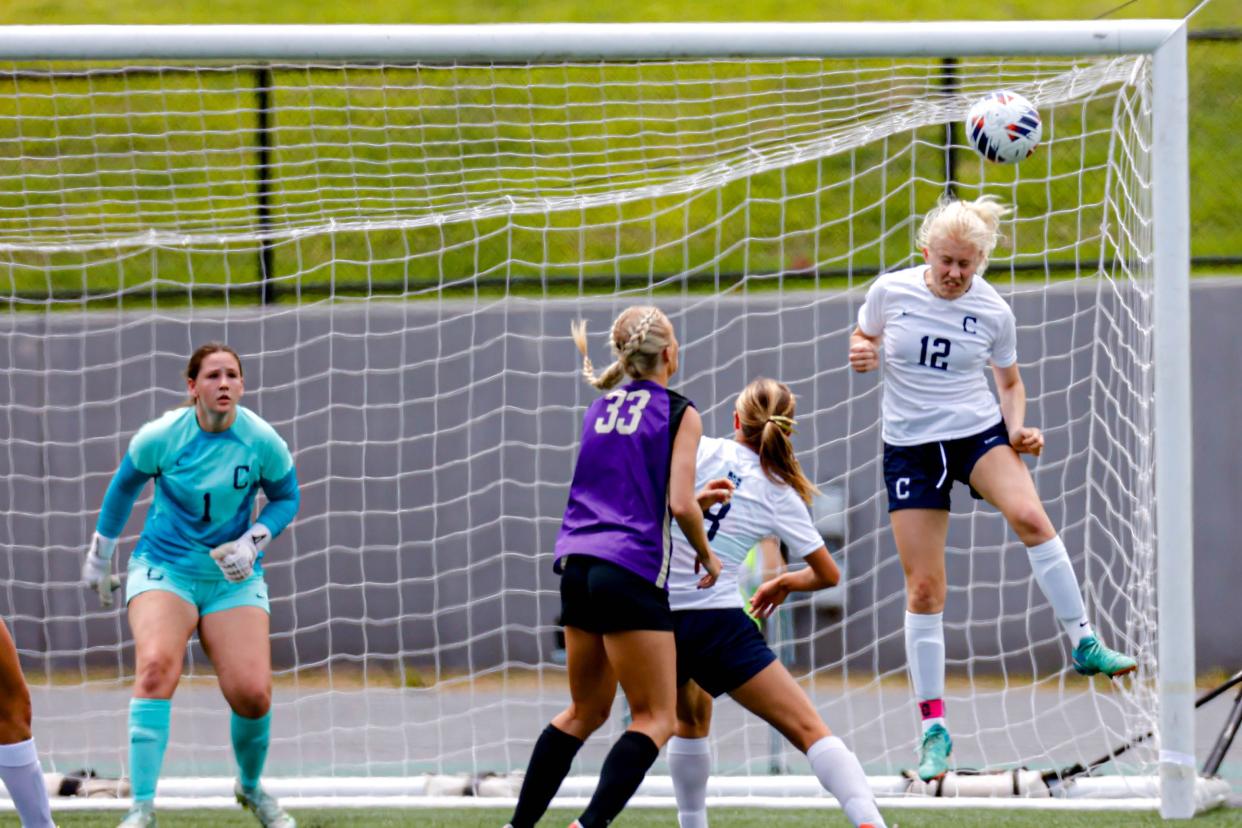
point(1003, 127)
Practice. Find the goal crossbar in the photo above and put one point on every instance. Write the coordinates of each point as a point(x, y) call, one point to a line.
point(548, 42)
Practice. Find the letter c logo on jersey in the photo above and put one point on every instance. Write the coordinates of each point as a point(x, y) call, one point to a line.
point(903, 488)
point(969, 324)
point(241, 477)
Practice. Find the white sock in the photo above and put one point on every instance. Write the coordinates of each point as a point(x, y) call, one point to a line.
point(838, 771)
point(925, 660)
point(19, 768)
point(1055, 575)
point(689, 764)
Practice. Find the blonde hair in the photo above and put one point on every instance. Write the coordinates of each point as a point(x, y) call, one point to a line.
point(765, 409)
point(639, 336)
point(975, 223)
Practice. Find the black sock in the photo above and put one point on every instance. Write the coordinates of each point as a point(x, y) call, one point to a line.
point(549, 763)
point(627, 763)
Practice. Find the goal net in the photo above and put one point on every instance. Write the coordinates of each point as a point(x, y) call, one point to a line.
point(397, 248)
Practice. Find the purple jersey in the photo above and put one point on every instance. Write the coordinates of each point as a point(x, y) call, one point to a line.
point(618, 502)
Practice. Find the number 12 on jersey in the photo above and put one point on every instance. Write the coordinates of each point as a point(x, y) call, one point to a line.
point(939, 357)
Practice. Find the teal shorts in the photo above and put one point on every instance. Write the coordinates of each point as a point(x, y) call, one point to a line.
point(207, 595)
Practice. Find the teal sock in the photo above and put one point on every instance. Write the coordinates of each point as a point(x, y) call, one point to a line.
point(148, 736)
point(250, 740)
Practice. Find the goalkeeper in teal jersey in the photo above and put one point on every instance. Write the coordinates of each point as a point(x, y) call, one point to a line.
point(197, 566)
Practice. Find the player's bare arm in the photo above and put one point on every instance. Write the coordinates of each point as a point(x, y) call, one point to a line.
point(1012, 392)
point(864, 351)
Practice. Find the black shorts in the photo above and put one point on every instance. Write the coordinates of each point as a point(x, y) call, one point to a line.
point(721, 649)
point(600, 596)
point(920, 477)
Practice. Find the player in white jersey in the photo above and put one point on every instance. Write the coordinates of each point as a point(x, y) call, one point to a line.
point(719, 648)
point(197, 566)
point(19, 763)
point(940, 326)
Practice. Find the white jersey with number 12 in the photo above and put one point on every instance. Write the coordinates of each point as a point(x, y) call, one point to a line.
point(935, 353)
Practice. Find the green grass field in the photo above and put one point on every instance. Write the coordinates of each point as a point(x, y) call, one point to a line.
point(653, 818)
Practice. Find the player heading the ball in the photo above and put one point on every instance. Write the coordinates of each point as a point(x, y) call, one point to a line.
point(940, 324)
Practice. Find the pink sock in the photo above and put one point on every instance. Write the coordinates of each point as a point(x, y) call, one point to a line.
point(932, 711)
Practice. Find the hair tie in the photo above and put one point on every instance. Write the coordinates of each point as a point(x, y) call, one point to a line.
point(785, 424)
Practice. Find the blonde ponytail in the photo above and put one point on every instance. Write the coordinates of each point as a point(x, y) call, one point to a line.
point(639, 336)
point(765, 409)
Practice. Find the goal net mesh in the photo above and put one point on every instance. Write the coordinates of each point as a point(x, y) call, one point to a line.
point(397, 251)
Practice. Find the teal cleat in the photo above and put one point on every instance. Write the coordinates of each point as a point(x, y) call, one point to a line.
point(934, 754)
point(1092, 657)
point(264, 806)
point(141, 815)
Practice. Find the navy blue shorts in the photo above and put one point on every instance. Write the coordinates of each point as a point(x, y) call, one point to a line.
point(721, 649)
point(600, 596)
point(920, 477)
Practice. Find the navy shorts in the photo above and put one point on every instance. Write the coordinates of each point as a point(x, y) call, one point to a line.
point(720, 649)
point(600, 596)
point(920, 477)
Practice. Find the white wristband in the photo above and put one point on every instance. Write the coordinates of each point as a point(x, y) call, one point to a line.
point(101, 547)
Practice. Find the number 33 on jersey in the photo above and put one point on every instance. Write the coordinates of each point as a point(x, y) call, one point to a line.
point(935, 353)
point(633, 401)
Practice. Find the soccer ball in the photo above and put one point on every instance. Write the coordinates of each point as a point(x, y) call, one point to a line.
point(1003, 127)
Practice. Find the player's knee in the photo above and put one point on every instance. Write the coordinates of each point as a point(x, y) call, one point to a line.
point(1031, 524)
point(660, 727)
point(924, 595)
point(156, 676)
point(251, 701)
point(15, 717)
point(659, 724)
point(693, 719)
point(806, 733)
point(589, 718)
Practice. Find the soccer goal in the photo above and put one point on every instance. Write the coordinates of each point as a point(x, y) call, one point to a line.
point(395, 227)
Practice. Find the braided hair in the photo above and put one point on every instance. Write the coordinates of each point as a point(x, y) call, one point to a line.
point(639, 336)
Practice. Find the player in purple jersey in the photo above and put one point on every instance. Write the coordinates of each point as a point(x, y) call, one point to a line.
point(19, 763)
point(941, 423)
point(635, 472)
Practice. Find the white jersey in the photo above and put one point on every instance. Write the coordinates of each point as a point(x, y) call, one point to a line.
point(758, 508)
point(935, 351)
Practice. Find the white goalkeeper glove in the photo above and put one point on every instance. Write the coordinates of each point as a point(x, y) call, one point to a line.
point(97, 568)
point(236, 558)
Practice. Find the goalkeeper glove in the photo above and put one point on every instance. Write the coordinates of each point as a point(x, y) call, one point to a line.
point(97, 568)
point(236, 558)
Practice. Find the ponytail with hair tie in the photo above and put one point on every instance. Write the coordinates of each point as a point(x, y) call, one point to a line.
point(785, 424)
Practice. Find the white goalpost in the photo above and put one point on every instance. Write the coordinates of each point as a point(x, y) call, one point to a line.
point(395, 226)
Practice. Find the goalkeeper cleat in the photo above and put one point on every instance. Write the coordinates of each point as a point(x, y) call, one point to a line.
point(140, 815)
point(934, 753)
point(1092, 657)
point(264, 807)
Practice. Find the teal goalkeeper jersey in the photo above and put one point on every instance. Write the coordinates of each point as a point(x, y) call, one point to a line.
point(205, 487)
